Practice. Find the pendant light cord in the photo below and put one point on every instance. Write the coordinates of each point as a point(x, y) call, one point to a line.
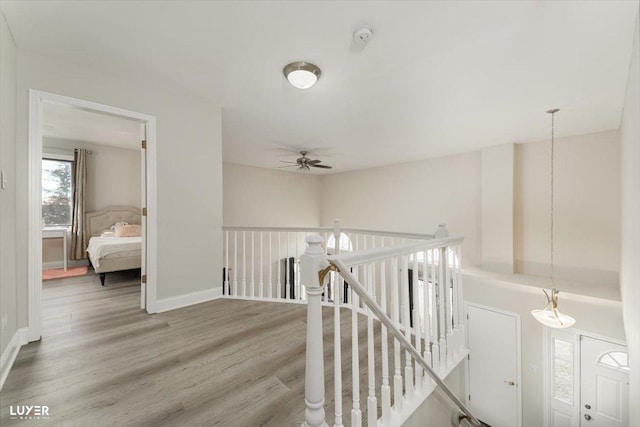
point(553, 116)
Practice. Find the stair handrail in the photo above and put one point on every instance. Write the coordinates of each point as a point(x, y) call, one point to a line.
point(336, 264)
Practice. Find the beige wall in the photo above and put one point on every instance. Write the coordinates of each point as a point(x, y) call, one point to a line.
point(497, 208)
point(412, 197)
point(270, 198)
point(8, 86)
point(630, 265)
point(113, 179)
point(189, 166)
point(587, 208)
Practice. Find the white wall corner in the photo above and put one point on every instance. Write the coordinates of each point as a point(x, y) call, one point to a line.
point(20, 338)
point(173, 303)
point(497, 208)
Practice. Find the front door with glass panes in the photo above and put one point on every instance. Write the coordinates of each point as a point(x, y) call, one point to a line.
point(588, 381)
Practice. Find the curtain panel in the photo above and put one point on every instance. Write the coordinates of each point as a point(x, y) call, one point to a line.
point(78, 238)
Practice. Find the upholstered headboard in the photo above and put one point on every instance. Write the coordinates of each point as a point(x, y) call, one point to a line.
point(97, 222)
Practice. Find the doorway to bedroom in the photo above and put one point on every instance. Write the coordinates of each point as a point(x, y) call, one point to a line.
point(92, 250)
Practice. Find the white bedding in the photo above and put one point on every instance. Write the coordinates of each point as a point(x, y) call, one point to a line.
point(113, 247)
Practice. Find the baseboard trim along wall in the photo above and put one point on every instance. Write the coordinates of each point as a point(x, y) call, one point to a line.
point(20, 338)
point(167, 304)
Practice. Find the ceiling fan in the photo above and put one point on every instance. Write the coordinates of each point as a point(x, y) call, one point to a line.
point(304, 163)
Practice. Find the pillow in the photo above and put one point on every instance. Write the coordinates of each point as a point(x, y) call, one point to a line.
point(108, 233)
point(128, 231)
point(118, 224)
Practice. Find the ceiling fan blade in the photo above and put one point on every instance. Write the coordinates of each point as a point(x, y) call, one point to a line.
point(293, 163)
point(322, 166)
point(288, 166)
point(313, 162)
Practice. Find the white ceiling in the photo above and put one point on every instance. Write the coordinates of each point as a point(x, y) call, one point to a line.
point(436, 78)
point(71, 123)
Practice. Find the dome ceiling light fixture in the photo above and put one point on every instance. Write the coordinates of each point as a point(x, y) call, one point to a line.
point(302, 75)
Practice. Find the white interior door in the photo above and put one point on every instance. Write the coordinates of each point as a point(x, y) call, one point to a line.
point(494, 389)
point(143, 220)
point(604, 378)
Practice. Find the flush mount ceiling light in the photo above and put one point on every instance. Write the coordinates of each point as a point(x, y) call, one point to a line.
point(302, 74)
point(550, 316)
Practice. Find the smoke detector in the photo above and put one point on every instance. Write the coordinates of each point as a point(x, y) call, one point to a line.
point(362, 36)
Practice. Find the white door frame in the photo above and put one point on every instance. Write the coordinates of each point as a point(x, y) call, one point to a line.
point(546, 369)
point(36, 98)
point(518, 353)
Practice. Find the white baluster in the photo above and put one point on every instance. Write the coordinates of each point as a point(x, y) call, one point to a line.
point(337, 285)
point(453, 347)
point(442, 324)
point(337, 366)
point(385, 391)
point(337, 342)
point(270, 292)
point(226, 265)
point(235, 263)
point(395, 305)
point(372, 401)
point(416, 320)
point(408, 369)
point(461, 315)
point(279, 284)
point(253, 266)
point(435, 348)
point(356, 413)
point(356, 244)
point(244, 264)
point(313, 260)
point(261, 281)
point(447, 305)
point(426, 308)
point(287, 271)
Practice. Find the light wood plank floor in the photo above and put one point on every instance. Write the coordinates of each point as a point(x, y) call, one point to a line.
point(104, 362)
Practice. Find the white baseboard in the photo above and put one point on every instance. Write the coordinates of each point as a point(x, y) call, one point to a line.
point(20, 338)
point(180, 301)
point(60, 264)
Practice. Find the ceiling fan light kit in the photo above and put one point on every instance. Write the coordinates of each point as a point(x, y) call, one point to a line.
point(301, 74)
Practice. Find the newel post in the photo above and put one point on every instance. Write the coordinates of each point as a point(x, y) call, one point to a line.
point(311, 262)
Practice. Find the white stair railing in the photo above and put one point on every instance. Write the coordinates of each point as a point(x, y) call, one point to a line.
point(424, 312)
point(263, 262)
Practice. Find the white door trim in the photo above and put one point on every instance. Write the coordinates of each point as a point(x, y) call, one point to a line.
point(36, 99)
point(518, 353)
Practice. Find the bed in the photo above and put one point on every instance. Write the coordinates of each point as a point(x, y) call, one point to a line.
point(106, 252)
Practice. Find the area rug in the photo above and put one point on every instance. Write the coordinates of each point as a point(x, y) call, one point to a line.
point(59, 273)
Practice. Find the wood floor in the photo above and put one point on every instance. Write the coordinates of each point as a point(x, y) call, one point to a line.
point(104, 362)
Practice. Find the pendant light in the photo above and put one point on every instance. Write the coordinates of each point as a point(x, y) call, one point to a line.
point(550, 316)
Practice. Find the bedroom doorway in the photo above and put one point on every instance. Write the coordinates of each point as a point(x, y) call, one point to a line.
point(51, 220)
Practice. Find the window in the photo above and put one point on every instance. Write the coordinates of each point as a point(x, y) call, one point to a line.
point(57, 188)
point(562, 365)
point(345, 243)
point(617, 360)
